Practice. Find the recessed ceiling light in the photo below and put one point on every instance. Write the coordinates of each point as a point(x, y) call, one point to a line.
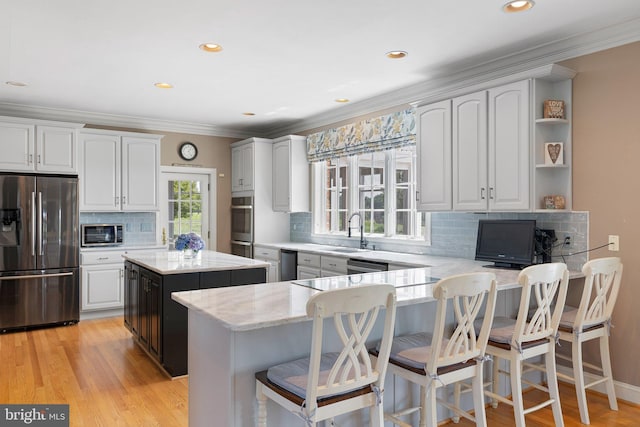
point(342, 100)
point(396, 54)
point(211, 47)
point(14, 83)
point(163, 85)
point(518, 6)
point(248, 113)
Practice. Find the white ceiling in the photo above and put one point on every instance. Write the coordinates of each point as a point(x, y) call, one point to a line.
point(285, 60)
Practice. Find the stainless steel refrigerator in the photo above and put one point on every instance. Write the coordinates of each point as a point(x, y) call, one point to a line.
point(39, 275)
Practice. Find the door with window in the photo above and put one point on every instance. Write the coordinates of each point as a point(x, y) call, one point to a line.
point(185, 197)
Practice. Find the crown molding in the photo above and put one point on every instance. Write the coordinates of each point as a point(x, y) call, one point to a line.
point(451, 81)
point(120, 121)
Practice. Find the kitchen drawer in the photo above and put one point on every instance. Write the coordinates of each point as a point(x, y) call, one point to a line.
point(335, 264)
point(106, 257)
point(308, 259)
point(260, 252)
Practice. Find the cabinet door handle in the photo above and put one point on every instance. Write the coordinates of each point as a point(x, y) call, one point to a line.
point(103, 257)
point(482, 193)
point(124, 200)
point(332, 265)
point(39, 159)
point(491, 192)
point(116, 201)
point(30, 158)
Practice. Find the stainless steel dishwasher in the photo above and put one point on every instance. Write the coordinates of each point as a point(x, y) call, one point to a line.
point(357, 266)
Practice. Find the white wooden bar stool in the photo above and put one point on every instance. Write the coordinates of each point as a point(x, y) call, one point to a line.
point(451, 354)
point(325, 385)
point(589, 321)
point(517, 340)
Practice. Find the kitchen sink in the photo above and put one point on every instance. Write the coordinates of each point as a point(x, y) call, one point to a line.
point(348, 250)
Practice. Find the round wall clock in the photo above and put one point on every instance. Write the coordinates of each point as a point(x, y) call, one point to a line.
point(188, 151)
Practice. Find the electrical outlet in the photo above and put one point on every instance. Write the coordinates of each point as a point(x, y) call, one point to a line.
point(567, 241)
point(614, 243)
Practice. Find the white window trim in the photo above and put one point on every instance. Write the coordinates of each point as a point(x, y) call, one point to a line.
point(318, 171)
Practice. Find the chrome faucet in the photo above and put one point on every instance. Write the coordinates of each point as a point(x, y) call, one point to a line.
point(363, 243)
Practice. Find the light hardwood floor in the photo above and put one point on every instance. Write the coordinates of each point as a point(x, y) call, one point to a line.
point(107, 380)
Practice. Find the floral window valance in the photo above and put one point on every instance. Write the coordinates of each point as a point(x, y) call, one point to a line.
point(376, 134)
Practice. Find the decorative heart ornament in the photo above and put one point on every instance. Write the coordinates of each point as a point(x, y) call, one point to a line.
point(554, 151)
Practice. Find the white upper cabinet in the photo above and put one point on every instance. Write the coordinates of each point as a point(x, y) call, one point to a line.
point(38, 146)
point(509, 147)
point(242, 167)
point(470, 189)
point(474, 151)
point(140, 173)
point(290, 174)
point(118, 171)
point(434, 156)
point(491, 149)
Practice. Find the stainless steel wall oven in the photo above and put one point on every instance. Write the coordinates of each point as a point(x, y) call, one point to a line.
point(242, 226)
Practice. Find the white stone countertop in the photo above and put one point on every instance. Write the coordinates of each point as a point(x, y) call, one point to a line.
point(249, 307)
point(173, 262)
point(125, 248)
point(403, 259)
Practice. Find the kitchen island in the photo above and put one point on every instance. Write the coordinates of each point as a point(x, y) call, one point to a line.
point(159, 324)
point(234, 333)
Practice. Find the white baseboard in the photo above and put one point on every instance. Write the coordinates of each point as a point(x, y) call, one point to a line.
point(624, 391)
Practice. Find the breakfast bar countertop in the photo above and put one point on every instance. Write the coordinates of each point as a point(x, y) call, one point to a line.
point(264, 305)
point(174, 262)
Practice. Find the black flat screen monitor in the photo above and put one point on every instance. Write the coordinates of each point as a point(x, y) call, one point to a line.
point(506, 243)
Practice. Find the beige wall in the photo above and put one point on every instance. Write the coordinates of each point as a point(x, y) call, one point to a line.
point(606, 176)
point(213, 152)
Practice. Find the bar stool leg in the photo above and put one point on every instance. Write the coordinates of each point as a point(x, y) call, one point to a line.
point(478, 392)
point(578, 375)
point(515, 370)
point(606, 370)
point(262, 406)
point(552, 384)
point(495, 380)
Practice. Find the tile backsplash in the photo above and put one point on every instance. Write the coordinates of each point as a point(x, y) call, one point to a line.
point(454, 234)
point(139, 227)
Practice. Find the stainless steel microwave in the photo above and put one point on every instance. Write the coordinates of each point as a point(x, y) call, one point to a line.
point(101, 235)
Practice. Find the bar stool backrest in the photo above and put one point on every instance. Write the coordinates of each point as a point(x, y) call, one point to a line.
point(354, 312)
point(547, 285)
point(466, 293)
point(601, 286)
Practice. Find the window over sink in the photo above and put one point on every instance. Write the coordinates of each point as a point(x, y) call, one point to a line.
point(380, 186)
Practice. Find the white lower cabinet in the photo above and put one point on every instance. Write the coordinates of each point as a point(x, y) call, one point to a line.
point(308, 265)
point(102, 280)
point(102, 286)
point(272, 256)
point(308, 273)
point(333, 266)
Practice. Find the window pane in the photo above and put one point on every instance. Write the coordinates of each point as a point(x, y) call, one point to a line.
point(342, 221)
point(402, 176)
point(402, 198)
point(331, 178)
point(403, 227)
point(173, 189)
point(328, 200)
point(342, 198)
point(378, 199)
point(364, 176)
point(343, 176)
point(378, 222)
